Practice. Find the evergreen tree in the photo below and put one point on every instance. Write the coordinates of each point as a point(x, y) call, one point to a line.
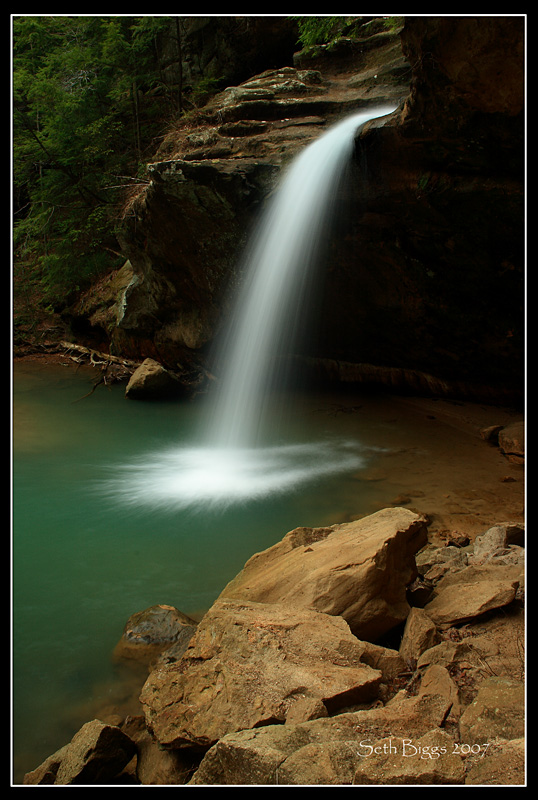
point(88, 98)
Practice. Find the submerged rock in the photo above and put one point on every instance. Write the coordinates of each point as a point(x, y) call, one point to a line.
point(156, 629)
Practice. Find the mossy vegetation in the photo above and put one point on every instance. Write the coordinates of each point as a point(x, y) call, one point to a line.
point(324, 30)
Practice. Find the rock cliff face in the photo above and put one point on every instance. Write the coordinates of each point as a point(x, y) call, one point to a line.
point(430, 275)
point(423, 285)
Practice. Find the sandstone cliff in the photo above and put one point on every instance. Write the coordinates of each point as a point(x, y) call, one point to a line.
point(423, 285)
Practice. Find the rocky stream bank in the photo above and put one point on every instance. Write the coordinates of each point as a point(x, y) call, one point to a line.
point(358, 653)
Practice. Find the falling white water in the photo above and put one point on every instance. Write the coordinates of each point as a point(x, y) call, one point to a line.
point(231, 465)
point(282, 257)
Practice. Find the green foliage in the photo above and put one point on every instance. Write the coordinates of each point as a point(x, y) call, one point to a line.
point(385, 23)
point(205, 88)
point(88, 98)
point(323, 30)
point(318, 30)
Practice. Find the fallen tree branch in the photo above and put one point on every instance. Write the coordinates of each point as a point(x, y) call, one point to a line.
point(96, 357)
point(113, 368)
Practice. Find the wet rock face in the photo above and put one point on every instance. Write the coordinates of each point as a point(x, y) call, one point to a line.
point(478, 60)
point(428, 272)
point(181, 240)
point(424, 272)
point(184, 233)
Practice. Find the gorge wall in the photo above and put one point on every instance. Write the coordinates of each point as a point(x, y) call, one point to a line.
point(423, 285)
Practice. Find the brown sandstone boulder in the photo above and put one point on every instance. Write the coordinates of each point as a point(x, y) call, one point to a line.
point(420, 634)
point(461, 596)
point(497, 712)
point(96, 754)
point(428, 761)
point(358, 570)
point(45, 773)
point(503, 764)
point(152, 380)
point(156, 766)
point(388, 661)
point(324, 751)
point(250, 664)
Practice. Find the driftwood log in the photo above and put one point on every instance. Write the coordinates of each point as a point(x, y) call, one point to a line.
point(113, 368)
point(96, 357)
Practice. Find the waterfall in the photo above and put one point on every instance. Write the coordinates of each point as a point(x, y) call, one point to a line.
point(281, 259)
point(229, 464)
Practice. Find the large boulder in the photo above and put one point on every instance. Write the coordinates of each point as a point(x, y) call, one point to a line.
point(250, 664)
point(358, 570)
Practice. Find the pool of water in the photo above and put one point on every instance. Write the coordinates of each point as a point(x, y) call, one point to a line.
point(100, 532)
point(106, 522)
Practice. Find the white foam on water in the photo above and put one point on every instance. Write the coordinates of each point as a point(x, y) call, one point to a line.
point(209, 478)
